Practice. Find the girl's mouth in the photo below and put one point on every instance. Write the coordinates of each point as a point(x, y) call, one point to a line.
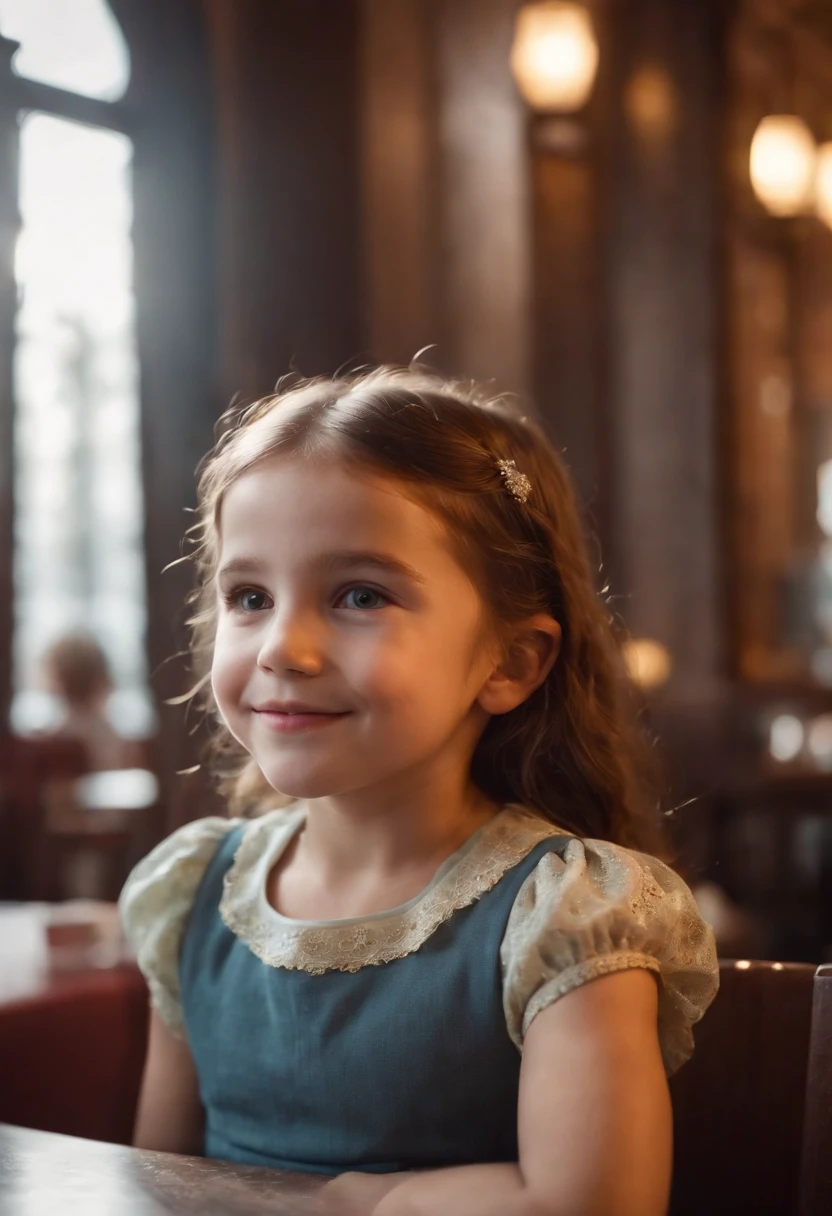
point(290, 722)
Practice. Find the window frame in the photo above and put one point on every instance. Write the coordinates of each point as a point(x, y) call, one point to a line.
point(19, 97)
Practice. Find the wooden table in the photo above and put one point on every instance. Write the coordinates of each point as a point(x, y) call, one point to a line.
point(49, 1175)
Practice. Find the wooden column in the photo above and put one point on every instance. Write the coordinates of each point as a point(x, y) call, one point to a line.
point(399, 203)
point(662, 286)
point(176, 292)
point(485, 250)
point(287, 104)
point(567, 308)
point(445, 186)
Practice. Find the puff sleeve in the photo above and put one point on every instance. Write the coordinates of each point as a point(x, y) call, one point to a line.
point(595, 908)
point(155, 903)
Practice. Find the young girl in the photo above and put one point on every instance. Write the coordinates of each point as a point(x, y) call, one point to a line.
point(441, 976)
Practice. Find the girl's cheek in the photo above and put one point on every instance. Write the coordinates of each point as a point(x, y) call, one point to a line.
point(219, 688)
point(389, 680)
point(228, 679)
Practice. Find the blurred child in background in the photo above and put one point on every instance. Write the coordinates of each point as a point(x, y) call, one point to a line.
point(76, 671)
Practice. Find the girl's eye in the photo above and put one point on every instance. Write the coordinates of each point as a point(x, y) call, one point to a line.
point(363, 598)
point(246, 600)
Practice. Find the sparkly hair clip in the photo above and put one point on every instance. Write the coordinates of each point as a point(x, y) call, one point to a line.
point(517, 483)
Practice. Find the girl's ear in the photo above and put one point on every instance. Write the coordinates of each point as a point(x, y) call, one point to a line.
point(529, 656)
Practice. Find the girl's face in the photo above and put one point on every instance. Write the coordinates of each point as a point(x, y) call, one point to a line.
point(340, 596)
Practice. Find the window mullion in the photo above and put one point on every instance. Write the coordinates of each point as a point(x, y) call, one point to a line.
point(9, 228)
point(46, 98)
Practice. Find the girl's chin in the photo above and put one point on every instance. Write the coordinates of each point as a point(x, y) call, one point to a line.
point(296, 784)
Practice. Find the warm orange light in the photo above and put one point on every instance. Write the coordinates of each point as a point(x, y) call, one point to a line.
point(823, 183)
point(782, 163)
point(555, 56)
point(648, 662)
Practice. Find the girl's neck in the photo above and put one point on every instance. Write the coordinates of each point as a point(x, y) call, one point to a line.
point(392, 830)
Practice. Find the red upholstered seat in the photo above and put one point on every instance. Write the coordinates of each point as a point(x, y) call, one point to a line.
point(72, 1053)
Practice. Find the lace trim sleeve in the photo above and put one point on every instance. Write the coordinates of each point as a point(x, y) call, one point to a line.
point(155, 903)
point(599, 909)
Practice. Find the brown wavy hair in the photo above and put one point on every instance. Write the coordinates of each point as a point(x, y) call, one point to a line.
point(574, 750)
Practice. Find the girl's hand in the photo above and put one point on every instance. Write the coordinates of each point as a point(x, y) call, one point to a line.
point(357, 1194)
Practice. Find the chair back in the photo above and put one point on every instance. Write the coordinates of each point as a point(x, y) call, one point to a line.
point(738, 1104)
point(816, 1185)
point(26, 765)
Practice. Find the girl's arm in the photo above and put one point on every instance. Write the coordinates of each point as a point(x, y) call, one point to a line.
point(170, 1116)
point(594, 1119)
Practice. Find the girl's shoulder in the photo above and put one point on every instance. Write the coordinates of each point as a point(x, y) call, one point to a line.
point(591, 908)
point(157, 897)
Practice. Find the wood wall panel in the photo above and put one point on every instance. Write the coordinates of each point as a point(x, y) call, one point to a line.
point(174, 236)
point(778, 274)
point(485, 252)
point(446, 188)
point(398, 177)
point(287, 106)
point(662, 280)
point(566, 319)
point(761, 386)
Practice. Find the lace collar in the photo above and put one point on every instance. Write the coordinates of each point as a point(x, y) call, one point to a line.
point(348, 945)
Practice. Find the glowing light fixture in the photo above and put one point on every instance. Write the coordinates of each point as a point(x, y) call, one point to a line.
point(785, 737)
point(555, 56)
point(823, 184)
point(783, 156)
point(648, 662)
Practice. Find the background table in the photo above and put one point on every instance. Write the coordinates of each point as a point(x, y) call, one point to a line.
point(47, 1174)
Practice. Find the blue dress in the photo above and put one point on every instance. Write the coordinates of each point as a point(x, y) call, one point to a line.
point(392, 1043)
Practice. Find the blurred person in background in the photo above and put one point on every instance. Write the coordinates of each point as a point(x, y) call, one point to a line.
point(76, 671)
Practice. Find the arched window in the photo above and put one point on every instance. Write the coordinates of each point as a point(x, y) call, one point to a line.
point(72, 44)
point(78, 544)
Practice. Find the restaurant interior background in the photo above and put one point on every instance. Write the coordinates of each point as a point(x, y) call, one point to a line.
point(198, 195)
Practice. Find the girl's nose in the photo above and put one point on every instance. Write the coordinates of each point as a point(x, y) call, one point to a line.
point(291, 643)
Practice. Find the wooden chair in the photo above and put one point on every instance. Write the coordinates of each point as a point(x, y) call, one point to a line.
point(26, 765)
point(816, 1183)
point(39, 779)
point(739, 1103)
point(99, 821)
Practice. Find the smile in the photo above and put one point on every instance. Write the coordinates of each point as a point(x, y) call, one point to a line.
point(290, 723)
